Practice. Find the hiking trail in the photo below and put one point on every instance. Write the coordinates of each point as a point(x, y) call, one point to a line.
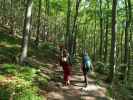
point(77, 90)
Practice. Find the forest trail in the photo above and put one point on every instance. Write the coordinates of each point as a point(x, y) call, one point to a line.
point(77, 89)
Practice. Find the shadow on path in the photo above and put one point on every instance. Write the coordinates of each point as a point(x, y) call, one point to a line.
point(77, 89)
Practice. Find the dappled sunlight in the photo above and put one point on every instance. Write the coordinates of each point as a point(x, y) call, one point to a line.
point(55, 96)
point(66, 49)
point(75, 77)
point(92, 87)
point(7, 45)
point(77, 89)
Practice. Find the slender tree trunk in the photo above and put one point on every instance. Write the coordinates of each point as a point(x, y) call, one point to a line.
point(113, 43)
point(122, 47)
point(68, 24)
point(11, 19)
point(95, 35)
point(106, 42)
point(76, 15)
point(38, 25)
point(126, 35)
point(4, 15)
point(85, 36)
point(47, 19)
point(106, 35)
point(55, 31)
point(75, 41)
point(128, 20)
point(130, 47)
point(101, 32)
point(74, 25)
point(26, 31)
point(48, 7)
point(82, 38)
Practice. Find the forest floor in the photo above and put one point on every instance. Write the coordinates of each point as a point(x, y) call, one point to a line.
point(77, 90)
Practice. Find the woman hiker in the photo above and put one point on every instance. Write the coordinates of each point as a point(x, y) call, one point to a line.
point(65, 63)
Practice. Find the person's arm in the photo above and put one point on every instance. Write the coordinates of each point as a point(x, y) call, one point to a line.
point(92, 67)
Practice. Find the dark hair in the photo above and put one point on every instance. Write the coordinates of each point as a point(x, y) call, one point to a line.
point(65, 52)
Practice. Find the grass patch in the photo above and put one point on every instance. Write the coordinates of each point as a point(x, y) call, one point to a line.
point(18, 89)
point(32, 76)
point(20, 82)
point(9, 48)
point(9, 39)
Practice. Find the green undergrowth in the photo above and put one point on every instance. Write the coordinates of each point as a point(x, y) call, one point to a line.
point(21, 82)
point(5, 38)
point(102, 67)
point(45, 51)
point(24, 72)
point(18, 89)
point(9, 48)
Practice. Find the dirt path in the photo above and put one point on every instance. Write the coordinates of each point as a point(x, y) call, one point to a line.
point(77, 90)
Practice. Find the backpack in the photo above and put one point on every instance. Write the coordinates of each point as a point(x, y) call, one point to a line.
point(87, 63)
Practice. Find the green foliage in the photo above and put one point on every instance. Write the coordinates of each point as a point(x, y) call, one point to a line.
point(18, 89)
point(110, 91)
point(20, 82)
point(27, 73)
point(9, 48)
point(120, 72)
point(126, 93)
point(8, 69)
point(46, 50)
point(102, 68)
point(8, 39)
point(2, 77)
point(8, 54)
point(123, 92)
point(47, 46)
point(41, 81)
point(23, 72)
point(125, 87)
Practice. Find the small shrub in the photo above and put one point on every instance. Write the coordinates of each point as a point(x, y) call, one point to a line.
point(100, 67)
point(42, 82)
point(23, 72)
point(18, 89)
point(9, 69)
point(27, 73)
point(110, 91)
point(2, 77)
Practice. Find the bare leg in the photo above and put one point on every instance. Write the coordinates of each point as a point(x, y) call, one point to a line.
point(85, 79)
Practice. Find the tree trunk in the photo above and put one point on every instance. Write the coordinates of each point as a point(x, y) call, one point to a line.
point(46, 34)
point(130, 47)
point(68, 24)
point(95, 35)
point(26, 30)
point(48, 7)
point(4, 15)
point(75, 41)
point(106, 35)
point(128, 20)
point(74, 25)
point(101, 32)
point(126, 35)
point(113, 43)
point(122, 46)
point(38, 25)
point(11, 18)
